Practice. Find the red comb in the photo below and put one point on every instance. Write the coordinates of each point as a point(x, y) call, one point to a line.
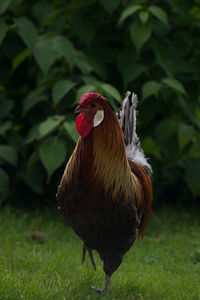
point(90, 96)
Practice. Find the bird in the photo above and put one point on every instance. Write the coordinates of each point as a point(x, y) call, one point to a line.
point(105, 193)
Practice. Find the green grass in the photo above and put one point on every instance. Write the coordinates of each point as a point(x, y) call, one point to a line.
point(165, 265)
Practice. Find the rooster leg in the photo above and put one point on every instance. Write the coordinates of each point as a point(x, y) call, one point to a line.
point(107, 281)
point(91, 258)
point(105, 290)
point(83, 254)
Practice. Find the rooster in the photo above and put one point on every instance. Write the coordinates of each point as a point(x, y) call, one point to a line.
point(105, 193)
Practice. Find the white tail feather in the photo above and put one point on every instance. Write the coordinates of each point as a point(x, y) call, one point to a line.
point(127, 119)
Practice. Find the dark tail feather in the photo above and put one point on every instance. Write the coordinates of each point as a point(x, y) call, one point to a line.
point(127, 119)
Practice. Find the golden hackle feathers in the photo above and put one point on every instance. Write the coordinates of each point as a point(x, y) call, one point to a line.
point(110, 166)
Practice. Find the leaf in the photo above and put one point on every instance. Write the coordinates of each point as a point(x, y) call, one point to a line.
point(4, 4)
point(88, 79)
point(110, 5)
point(88, 88)
point(174, 84)
point(33, 158)
point(70, 127)
point(150, 88)
point(82, 62)
point(144, 16)
point(34, 180)
point(6, 106)
point(49, 125)
point(186, 133)
point(166, 129)
point(52, 154)
point(129, 11)
point(4, 180)
point(198, 141)
point(160, 14)
point(182, 7)
point(45, 54)
point(20, 58)
point(192, 175)
point(32, 134)
point(3, 30)
point(33, 99)
point(131, 72)
point(140, 33)
point(8, 154)
point(150, 147)
point(65, 48)
point(4, 127)
point(28, 32)
point(83, 28)
point(163, 57)
point(60, 89)
point(112, 91)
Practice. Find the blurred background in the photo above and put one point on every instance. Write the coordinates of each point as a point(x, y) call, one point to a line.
point(51, 52)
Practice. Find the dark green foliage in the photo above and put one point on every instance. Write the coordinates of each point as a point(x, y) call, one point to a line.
point(51, 52)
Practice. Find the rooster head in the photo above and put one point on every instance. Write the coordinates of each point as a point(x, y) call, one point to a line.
point(90, 107)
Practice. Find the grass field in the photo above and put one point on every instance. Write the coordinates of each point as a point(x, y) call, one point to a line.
point(165, 265)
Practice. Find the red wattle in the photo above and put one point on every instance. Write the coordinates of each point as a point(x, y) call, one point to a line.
point(83, 126)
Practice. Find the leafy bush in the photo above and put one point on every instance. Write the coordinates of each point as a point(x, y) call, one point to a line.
point(51, 52)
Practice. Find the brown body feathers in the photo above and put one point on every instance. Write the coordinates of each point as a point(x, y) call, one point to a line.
point(105, 196)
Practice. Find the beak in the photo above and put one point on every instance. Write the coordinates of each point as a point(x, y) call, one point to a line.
point(77, 109)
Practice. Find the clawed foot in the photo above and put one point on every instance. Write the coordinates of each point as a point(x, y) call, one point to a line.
point(105, 290)
point(98, 290)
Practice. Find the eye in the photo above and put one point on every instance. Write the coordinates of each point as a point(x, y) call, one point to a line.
point(93, 105)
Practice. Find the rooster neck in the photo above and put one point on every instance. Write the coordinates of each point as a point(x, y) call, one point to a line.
point(99, 164)
point(105, 144)
point(108, 147)
point(104, 162)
